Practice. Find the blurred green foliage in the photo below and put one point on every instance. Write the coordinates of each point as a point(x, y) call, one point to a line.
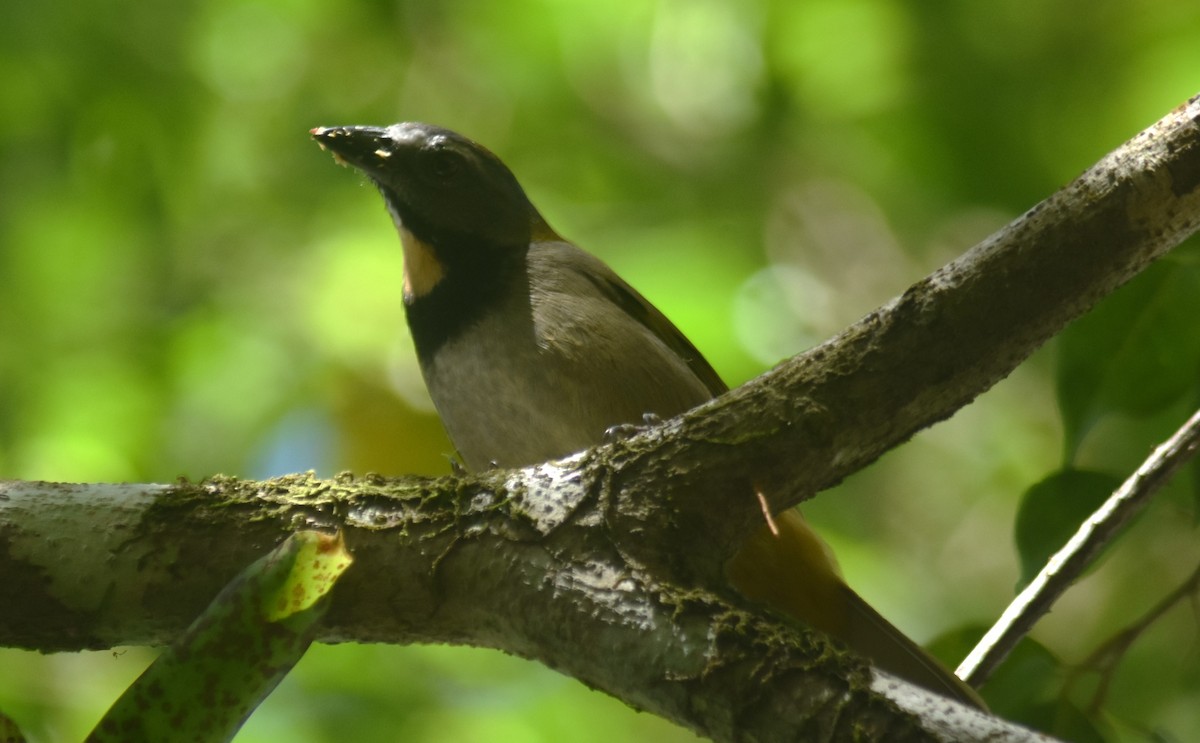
point(189, 286)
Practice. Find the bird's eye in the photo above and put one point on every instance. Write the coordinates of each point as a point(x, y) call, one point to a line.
point(444, 163)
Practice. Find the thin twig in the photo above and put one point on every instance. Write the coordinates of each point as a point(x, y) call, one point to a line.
point(1106, 657)
point(766, 510)
point(1080, 550)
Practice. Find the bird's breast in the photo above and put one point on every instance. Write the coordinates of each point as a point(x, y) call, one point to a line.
point(533, 381)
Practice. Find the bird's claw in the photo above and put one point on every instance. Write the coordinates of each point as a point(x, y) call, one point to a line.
point(623, 431)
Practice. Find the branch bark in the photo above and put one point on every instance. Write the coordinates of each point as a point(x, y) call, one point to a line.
point(609, 565)
point(827, 413)
point(523, 561)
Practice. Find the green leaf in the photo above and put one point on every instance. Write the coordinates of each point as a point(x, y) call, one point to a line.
point(1028, 688)
point(1136, 353)
point(1052, 510)
point(1065, 721)
point(952, 645)
point(207, 683)
point(1029, 678)
point(318, 562)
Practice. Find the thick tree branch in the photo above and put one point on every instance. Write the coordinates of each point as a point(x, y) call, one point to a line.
point(827, 413)
point(498, 562)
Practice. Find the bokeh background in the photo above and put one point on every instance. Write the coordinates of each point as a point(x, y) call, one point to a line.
point(189, 286)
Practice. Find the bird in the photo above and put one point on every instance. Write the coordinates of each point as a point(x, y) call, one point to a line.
point(532, 349)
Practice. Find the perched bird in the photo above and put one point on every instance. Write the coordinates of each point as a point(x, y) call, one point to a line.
point(532, 349)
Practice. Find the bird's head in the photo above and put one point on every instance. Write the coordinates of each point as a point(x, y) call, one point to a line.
point(449, 196)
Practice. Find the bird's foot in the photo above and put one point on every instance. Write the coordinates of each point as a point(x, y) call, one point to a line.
point(457, 468)
point(623, 431)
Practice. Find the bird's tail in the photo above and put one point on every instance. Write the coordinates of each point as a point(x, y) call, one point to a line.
point(869, 634)
point(795, 572)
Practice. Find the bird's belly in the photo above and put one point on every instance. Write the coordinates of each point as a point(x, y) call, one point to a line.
point(505, 417)
point(515, 404)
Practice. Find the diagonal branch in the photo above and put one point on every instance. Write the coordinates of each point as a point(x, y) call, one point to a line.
point(1080, 551)
point(1104, 660)
point(916, 360)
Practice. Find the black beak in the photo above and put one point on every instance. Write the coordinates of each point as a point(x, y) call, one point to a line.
point(365, 147)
